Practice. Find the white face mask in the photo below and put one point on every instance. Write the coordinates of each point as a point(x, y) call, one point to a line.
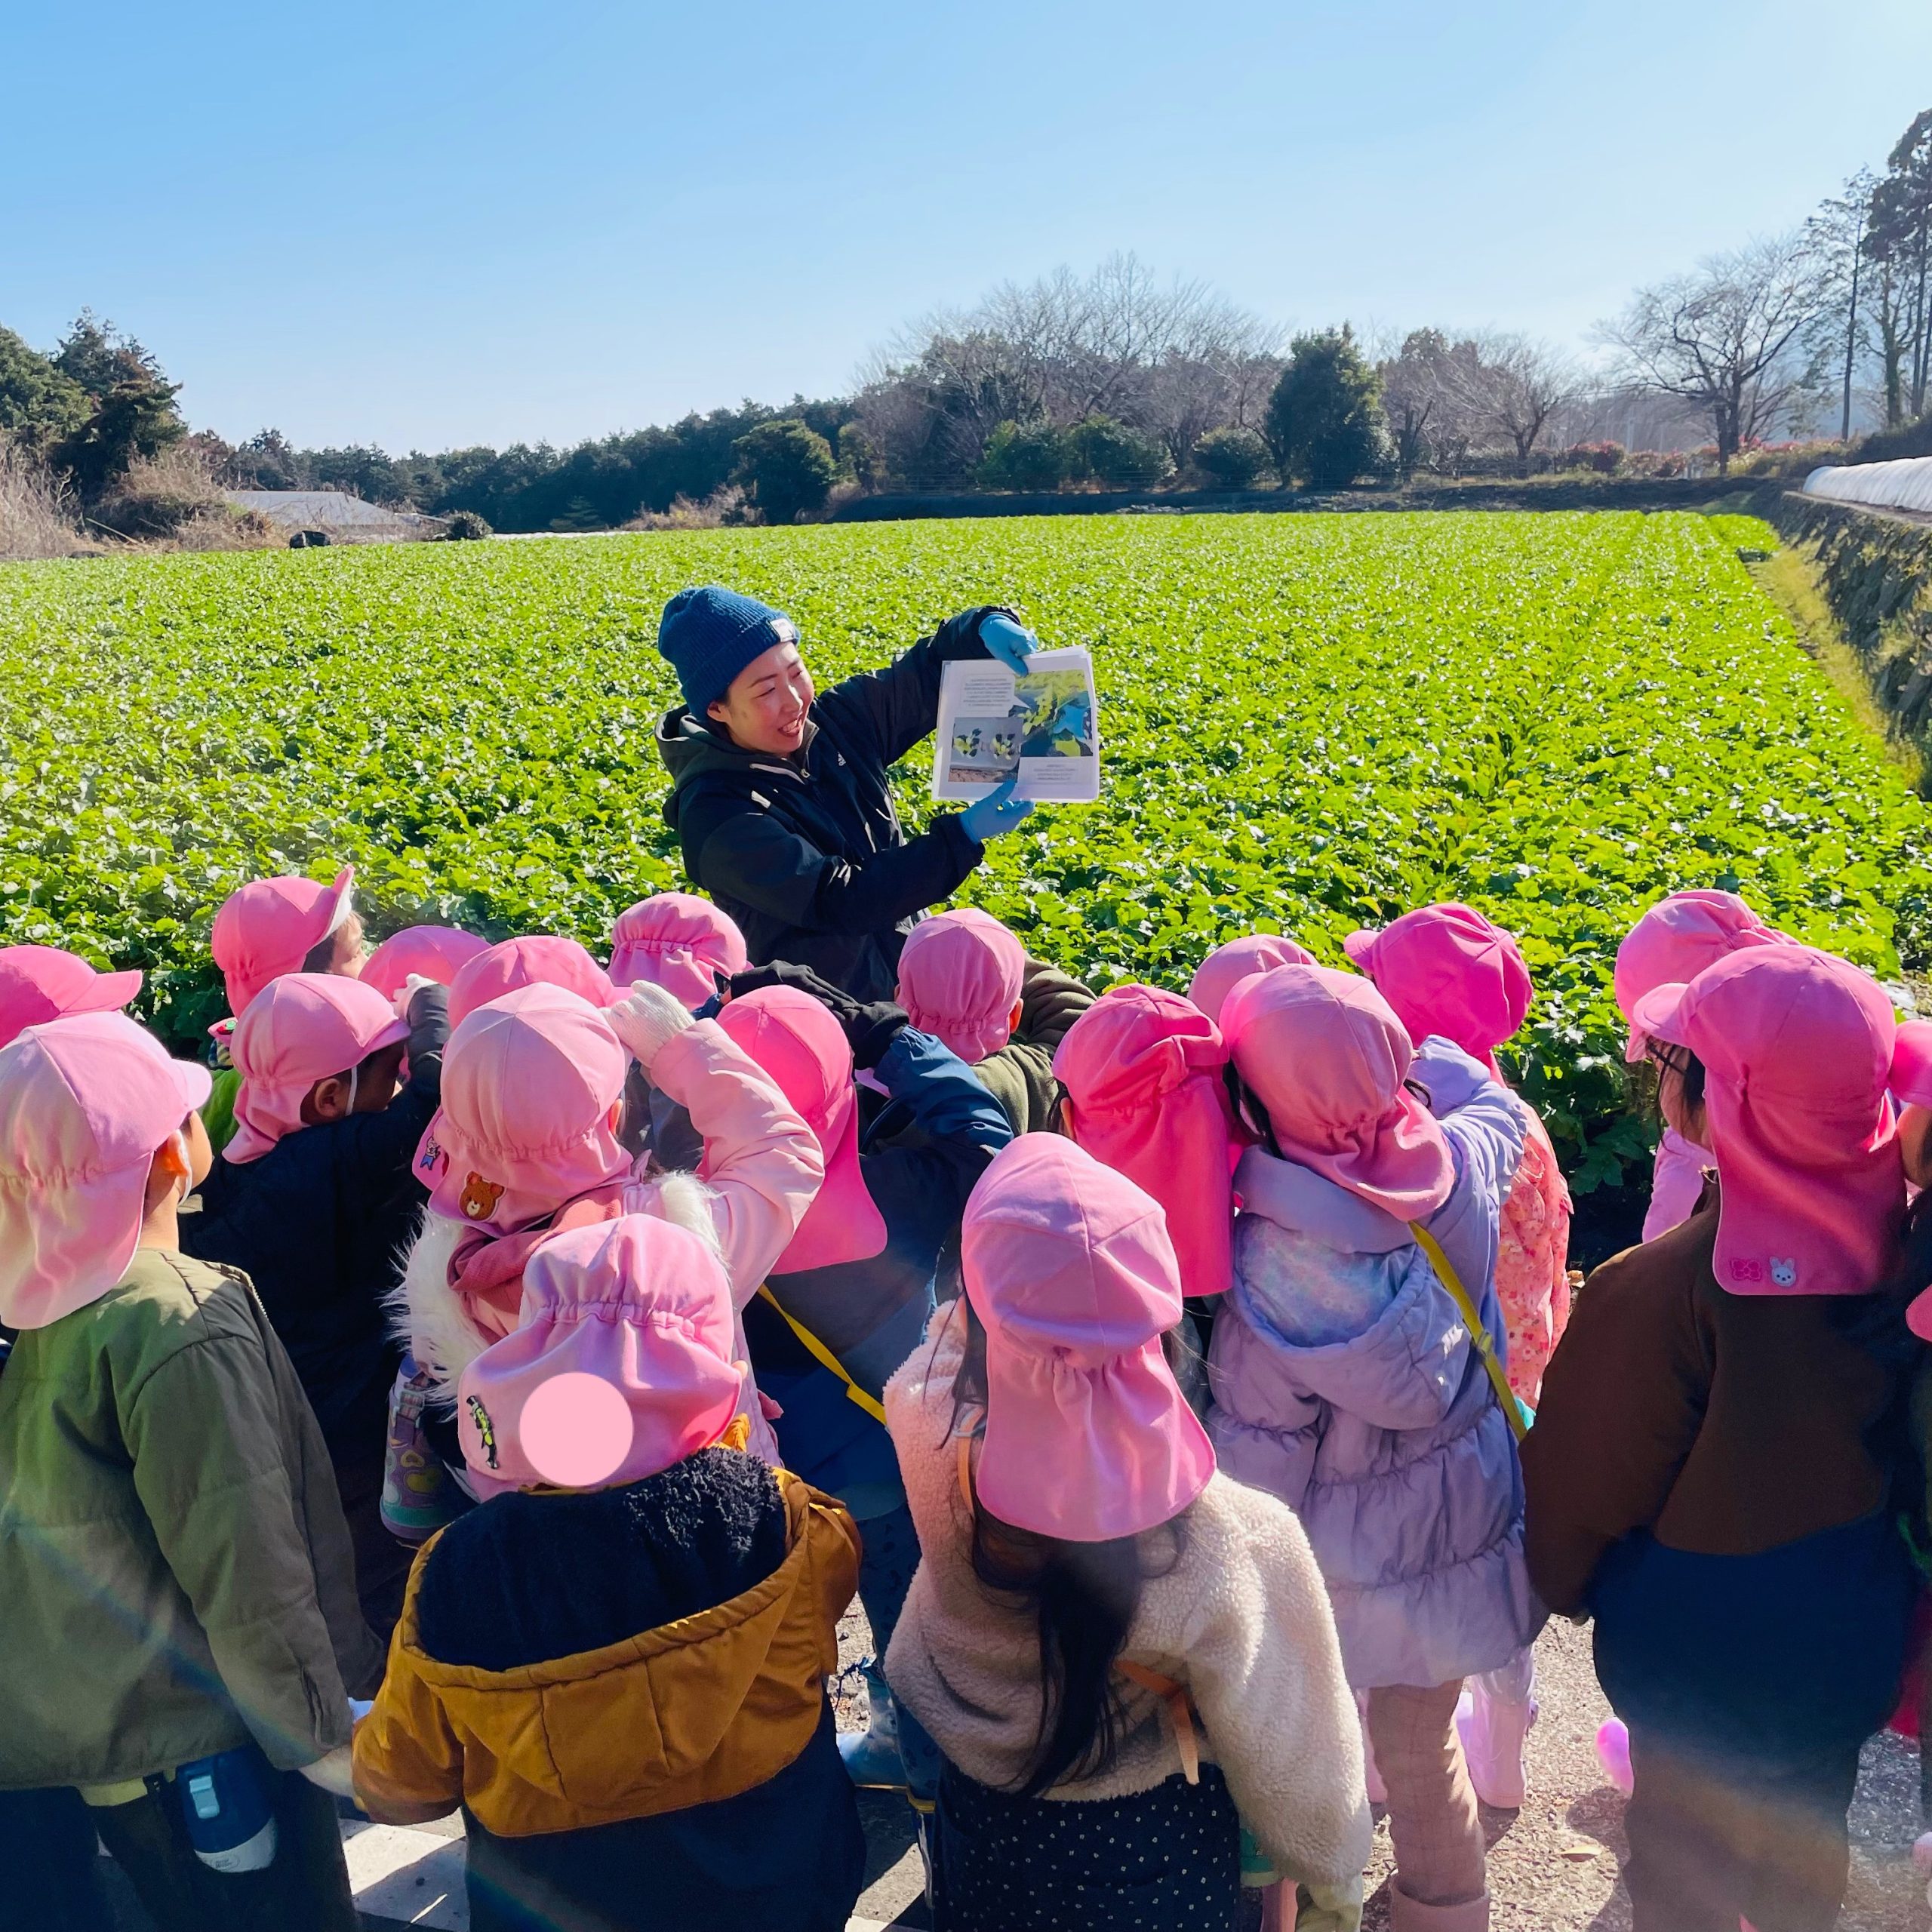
point(355, 1074)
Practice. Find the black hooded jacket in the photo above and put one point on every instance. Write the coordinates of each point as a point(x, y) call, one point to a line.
point(806, 853)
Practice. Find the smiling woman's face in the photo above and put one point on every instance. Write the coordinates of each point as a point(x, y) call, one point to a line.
point(764, 710)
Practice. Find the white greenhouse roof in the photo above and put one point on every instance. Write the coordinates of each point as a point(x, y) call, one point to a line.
point(1904, 485)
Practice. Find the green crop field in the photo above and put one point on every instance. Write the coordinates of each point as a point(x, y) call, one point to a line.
point(1309, 723)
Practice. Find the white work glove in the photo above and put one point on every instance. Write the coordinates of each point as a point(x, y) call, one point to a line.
point(334, 1773)
point(407, 991)
point(647, 1020)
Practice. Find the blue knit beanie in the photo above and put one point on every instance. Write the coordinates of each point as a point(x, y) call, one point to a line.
point(710, 634)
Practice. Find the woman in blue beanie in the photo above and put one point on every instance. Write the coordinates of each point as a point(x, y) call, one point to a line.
point(779, 796)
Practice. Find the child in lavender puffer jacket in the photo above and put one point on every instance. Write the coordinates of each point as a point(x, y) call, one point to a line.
point(1345, 1382)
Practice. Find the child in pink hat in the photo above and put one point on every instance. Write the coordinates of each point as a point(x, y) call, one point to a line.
point(678, 941)
point(315, 1198)
point(38, 983)
point(1672, 943)
point(616, 1666)
point(172, 1559)
point(1238, 959)
point(434, 953)
point(1711, 1472)
point(857, 1279)
point(268, 927)
point(526, 1144)
point(1076, 1532)
point(1346, 1381)
point(537, 959)
point(965, 979)
point(1447, 971)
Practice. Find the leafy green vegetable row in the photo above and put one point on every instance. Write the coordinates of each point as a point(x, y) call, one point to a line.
point(1309, 723)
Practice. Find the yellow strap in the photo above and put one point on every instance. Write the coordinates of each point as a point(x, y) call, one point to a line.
point(823, 1356)
point(1479, 1339)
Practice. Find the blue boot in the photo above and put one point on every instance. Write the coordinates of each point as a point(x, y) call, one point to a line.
point(871, 1755)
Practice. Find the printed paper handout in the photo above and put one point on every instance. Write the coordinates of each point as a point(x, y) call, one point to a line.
point(1044, 726)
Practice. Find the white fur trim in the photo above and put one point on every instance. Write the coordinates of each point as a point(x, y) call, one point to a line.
point(426, 1314)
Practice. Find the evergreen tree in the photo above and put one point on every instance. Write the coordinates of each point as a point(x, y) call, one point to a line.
point(1324, 421)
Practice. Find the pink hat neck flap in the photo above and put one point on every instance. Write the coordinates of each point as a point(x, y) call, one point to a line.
point(1797, 1049)
point(271, 926)
point(678, 941)
point(531, 1084)
point(636, 1303)
point(960, 977)
point(85, 1103)
point(1226, 967)
point(1675, 940)
point(1447, 970)
point(1327, 1057)
point(301, 1028)
point(1145, 1094)
point(538, 959)
point(1912, 1064)
point(796, 1040)
point(1068, 1266)
point(435, 953)
point(38, 983)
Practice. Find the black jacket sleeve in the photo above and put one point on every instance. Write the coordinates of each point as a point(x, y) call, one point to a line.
point(896, 707)
point(750, 857)
point(374, 1149)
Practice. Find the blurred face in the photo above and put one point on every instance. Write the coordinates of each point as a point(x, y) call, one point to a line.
point(764, 710)
point(1673, 1103)
point(342, 953)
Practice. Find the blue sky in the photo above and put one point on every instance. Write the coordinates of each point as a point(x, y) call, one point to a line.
point(429, 226)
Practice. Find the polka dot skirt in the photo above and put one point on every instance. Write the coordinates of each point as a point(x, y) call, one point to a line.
point(1168, 1858)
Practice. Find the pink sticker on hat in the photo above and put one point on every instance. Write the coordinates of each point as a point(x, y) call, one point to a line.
point(575, 1430)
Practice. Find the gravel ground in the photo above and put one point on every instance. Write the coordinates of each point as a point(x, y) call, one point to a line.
point(1553, 1866)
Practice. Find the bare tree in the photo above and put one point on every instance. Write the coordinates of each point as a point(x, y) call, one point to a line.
point(1511, 386)
point(1727, 337)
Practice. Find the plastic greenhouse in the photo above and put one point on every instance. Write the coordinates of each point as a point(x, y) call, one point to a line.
point(1905, 485)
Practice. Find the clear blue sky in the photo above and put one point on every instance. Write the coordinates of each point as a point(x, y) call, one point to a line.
point(433, 225)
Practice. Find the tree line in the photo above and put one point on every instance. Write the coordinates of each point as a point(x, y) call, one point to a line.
point(1119, 380)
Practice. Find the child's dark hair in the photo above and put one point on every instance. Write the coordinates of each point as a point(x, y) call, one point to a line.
point(1662, 1054)
point(1084, 1597)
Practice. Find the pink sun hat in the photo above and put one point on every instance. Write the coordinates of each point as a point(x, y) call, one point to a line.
point(1068, 1266)
point(960, 977)
point(271, 926)
point(435, 953)
point(1797, 1048)
point(85, 1103)
point(1226, 967)
point(537, 959)
point(1145, 1094)
point(1912, 1064)
point(38, 983)
point(796, 1042)
point(637, 1305)
point(1325, 1055)
point(678, 941)
point(531, 1085)
point(299, 1029)
point(1675, 940)
point(1447, 970)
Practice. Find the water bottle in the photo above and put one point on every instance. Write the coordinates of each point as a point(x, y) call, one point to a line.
point(230, 1816)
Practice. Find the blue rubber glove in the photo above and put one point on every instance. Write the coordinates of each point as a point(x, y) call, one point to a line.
point(1012, 644)
point(998, 811)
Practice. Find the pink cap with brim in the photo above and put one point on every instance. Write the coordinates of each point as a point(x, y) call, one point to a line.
point(1226, 967)
point(38, 983)
point(1145, 1093)
point(1325, 1055)
point(800, 1045)
point(637, 1304)
point(435, 953)
point(960, 977)
point(530, 1084)
point(1068, 1266)
point(85, 1104)
point(678, 941)
point(1447, 970)
point(1912, 1064)
point(300, 1028)
point(1674, 942)
point(538, 959)
point(1797, 1050)
point(271, 926)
